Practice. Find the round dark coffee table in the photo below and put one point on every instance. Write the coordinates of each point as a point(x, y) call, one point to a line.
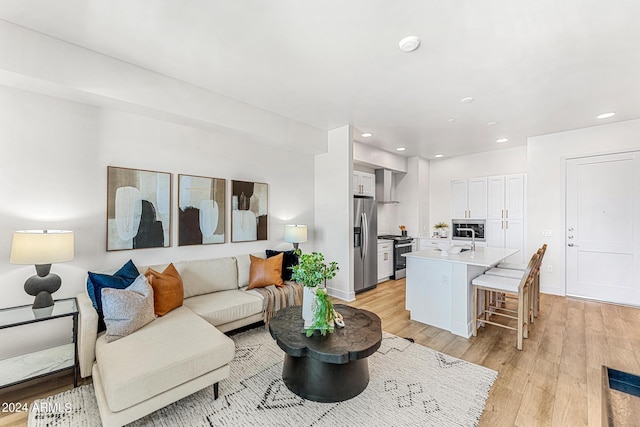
point(330, 368)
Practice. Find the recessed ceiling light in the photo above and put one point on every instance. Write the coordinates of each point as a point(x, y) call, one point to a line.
point(366, 134)
point(492, 123)
point(437, 156)
point(400, 149)
point(409, 43)
point(467, 100)
point(501, 140)
point(606, 115)
point(450, 119)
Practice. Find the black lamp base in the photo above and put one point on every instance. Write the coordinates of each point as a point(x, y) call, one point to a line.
point(43, 299)
point(42, 286)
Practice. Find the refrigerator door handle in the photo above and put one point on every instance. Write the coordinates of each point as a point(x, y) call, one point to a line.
point(365, 234)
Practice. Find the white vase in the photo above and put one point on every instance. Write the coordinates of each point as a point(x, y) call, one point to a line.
point(443, 232)
point(308, 305)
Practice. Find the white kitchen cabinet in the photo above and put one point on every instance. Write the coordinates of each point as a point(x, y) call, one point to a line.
point(505, 197)
point(364, 184)
point(469, 198)
point(385, 259)
point(505, 214)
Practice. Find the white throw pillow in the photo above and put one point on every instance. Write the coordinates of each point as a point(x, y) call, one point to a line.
point(127, 310)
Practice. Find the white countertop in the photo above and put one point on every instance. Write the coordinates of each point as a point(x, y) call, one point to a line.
point(483, 257)
point(383, 241)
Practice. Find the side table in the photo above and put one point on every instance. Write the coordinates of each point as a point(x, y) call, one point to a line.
point(38, 364)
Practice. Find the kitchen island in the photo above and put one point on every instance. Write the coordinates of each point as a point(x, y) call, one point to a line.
point(439, 291)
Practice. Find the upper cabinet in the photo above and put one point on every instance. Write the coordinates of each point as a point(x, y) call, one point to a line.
point(505, 226)
point(469, 198)
point(364, 184)
point(505, 197)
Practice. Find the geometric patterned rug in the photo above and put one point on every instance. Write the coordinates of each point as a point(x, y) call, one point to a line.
point(410, 385)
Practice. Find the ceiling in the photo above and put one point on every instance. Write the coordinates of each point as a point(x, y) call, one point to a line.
point(532, 67)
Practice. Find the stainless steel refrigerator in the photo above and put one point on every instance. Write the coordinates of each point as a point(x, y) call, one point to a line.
point(365, 243)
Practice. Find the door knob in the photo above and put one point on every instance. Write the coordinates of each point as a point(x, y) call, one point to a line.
point(570, 245)
point(570, 237)
point(570, 228)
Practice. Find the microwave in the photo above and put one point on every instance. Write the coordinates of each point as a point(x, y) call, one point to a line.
point(477, 225)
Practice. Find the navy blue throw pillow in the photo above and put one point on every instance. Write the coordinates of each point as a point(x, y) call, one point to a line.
point(289, 259)
point(96, 282)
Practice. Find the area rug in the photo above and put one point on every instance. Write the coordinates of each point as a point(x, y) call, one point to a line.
point(410, 385)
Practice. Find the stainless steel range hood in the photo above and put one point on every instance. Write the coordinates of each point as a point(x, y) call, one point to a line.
point(384, 186)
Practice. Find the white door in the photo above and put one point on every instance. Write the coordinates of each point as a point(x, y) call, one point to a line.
point(494, 233)
point(603, 227)
point(459, 198)
point(514, 238)
point(495, 197)
point(478, 198)
point(514, 196)
point(368, 183)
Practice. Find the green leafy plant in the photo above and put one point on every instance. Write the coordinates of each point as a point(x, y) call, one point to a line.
point(323, 314)
point(440, 225)
point(312, 270)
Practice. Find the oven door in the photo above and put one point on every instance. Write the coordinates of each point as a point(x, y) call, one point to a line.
point(400, 261)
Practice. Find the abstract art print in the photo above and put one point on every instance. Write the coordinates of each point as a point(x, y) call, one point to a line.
point(201, 210)
point(249, 211)
point(138, 209)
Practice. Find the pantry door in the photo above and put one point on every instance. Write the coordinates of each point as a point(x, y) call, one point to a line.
point(603, 227)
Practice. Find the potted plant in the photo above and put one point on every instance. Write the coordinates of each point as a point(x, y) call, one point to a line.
point(317, 310)
point(441, 228)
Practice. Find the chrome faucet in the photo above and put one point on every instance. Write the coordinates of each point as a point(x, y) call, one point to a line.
point(473, 237)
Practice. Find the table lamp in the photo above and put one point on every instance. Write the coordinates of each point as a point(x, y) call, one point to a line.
point(295, 234)
point(42, 248)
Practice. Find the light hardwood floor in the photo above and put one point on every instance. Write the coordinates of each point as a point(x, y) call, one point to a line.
point(554, 381)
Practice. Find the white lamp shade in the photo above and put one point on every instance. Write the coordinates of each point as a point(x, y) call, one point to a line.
point(295, 233)
point(41, 246)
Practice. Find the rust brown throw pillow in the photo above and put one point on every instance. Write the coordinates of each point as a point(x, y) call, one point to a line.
point(265, 272)
point(168, 292)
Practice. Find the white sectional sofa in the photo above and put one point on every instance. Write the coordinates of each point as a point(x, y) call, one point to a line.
point(177, 354)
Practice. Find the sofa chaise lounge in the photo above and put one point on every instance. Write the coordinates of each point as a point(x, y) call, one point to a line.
point(177, 354)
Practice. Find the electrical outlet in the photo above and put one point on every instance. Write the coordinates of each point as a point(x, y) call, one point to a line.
point(445, 279)
point(550, 268)
point(546, 233)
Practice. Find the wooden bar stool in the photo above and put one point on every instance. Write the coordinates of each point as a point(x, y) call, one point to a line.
point(515, 272)
point(519, 290)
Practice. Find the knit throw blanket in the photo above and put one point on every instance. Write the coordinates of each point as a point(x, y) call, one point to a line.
point(276, 298)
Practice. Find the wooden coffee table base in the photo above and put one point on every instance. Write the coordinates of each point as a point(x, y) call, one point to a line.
point(324, 382)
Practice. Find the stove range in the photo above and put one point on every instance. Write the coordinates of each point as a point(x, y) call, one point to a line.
point(395, 237)
point(401, 245)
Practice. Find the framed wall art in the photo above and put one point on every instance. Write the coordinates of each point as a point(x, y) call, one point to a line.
point(249, 211)
point(201, 210)
point(138, 209)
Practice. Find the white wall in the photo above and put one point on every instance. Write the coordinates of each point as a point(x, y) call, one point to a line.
point(412, 193)
point(334, 210)
point(443, 171)
point(66, 113)
point(376, 158)
point(547, 156)
point(53, 170)
point(44, 64)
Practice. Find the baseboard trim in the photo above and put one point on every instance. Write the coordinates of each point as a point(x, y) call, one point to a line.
point(344, 296)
